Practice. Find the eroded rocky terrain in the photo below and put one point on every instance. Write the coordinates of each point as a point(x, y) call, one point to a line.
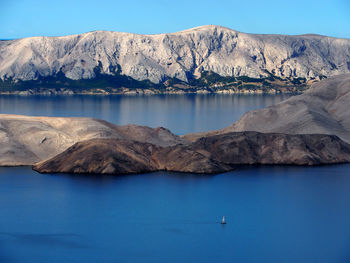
point(213, 154)
point(131, 63)
point(25, 140)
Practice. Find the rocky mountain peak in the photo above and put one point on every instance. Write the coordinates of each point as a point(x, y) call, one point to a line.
point(181, 55)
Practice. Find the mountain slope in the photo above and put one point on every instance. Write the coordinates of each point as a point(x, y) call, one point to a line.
point(183, 55)
point(25, 140)
point(323, 109)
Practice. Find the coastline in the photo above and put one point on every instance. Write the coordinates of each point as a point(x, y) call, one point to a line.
point(207, 83)
point(132, 92)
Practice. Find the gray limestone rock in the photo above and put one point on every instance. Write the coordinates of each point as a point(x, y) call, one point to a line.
point(179, 55)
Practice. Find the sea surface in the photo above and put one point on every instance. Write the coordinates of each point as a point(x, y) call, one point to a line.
point(273, 213)
point(179, 113)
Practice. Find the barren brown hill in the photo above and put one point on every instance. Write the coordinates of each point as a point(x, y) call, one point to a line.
point(323, 109)
point(211, 154)
point(25, 140)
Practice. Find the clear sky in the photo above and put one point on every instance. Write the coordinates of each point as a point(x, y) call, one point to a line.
point(24, 18)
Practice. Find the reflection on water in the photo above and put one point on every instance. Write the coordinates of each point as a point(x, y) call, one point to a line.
point(179, 113)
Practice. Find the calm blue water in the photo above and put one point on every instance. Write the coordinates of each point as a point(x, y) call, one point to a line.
point(179, 113)
point(274, 214)
point(279, 214)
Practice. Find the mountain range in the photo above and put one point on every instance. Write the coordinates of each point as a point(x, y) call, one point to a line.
point(206, 58)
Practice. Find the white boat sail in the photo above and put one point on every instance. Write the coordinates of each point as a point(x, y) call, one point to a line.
point(223, 220)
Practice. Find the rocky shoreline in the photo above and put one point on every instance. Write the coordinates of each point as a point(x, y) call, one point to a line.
point(127, 91)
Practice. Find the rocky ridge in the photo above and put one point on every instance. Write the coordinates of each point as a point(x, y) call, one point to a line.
point(170, 62)
point(25, 140)
point(213, 154)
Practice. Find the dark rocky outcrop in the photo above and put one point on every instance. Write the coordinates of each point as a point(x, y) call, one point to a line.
point(103, 156)
point(212, 154)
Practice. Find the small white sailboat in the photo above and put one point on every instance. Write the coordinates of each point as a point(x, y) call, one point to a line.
point(223, 221)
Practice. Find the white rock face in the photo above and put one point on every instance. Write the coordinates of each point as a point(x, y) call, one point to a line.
point(182, 54)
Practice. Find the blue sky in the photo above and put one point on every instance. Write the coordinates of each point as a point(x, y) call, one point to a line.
point(24, 18)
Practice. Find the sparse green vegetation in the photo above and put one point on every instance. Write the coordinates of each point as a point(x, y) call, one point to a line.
point(248, 79)
point(117, 83)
